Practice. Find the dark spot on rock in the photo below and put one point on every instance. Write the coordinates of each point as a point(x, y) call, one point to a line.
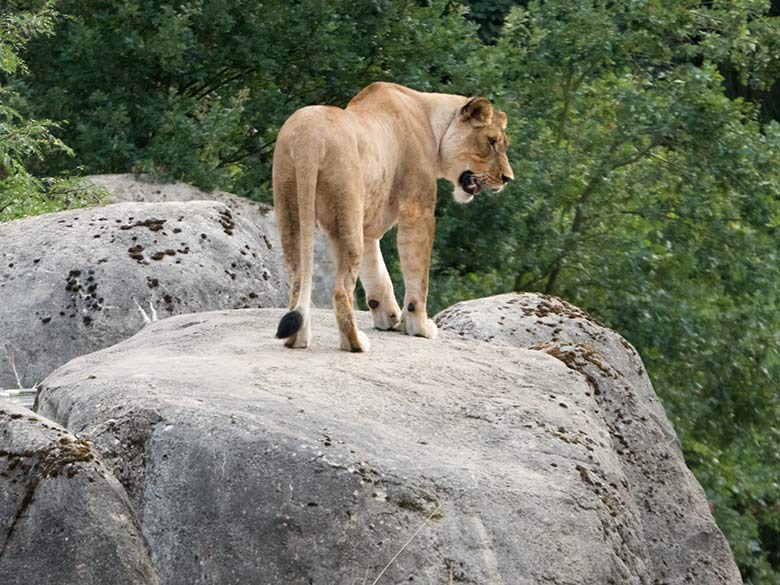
point(158, 255)
point(584, 475)
point(176, 230)
point(45, 320)
point(36, 261)
point(204, 237)
point(16, 415)
point(252, 295)
point(135, 249)
point(74, 273)
point(267, 243)
point(373, 304)
point(154, 225)
point(168, 299)
point(170, 252)
point(87, 320)
point(226, 221)
point(152, 282)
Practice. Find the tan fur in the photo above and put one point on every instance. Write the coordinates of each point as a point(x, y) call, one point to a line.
point(360, 170)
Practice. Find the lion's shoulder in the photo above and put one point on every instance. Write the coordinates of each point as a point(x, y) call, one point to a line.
point(382, 93)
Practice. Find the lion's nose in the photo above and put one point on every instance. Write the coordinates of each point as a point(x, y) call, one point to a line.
point(505, 178)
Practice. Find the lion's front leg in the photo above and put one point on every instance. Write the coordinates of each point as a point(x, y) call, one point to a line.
point(415, 241)
point(379, 288)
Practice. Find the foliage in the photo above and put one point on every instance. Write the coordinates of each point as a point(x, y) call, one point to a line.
point(647, 167)
point(197, 90)
point(490, 16)
point(23, 141)
point(646, 195)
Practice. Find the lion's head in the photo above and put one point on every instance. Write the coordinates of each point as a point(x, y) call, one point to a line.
point(473, 150)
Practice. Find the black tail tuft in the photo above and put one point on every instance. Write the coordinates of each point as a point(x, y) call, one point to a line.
point(289, 325)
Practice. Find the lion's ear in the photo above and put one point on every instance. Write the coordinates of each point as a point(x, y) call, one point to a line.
point(478, 111)
point(499, 117)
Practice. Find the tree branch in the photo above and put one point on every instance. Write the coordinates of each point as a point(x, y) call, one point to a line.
point(579, 214)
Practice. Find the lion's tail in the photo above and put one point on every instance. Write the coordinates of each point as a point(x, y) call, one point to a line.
point(306, 184)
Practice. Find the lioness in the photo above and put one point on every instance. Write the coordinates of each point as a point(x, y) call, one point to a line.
point(360, 170)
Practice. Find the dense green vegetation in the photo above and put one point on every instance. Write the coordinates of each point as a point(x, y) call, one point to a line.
point(24, 141)
point(644, 144)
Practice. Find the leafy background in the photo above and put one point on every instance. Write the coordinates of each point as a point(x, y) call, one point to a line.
point(645, 145)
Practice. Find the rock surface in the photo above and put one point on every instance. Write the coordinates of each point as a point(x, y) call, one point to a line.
point(676, 526)
point(63, 518)
point(250, 463)
point(129, 187)
point(78, 281)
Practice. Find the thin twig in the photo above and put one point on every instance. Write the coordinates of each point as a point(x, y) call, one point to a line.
point(407, 543)
point(143, 313)
point(16, 374)
point(154, 313)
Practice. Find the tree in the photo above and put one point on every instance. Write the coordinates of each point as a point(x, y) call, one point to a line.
point(24, 142)
point(197, 90)
point(647, 195)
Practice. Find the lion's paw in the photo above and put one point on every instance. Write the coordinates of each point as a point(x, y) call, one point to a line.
point(412, 326)
point(386, 319)
point(430, 331)
point(363, 344)
point(300, 340)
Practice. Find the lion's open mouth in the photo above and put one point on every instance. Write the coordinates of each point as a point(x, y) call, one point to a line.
point(468, 181)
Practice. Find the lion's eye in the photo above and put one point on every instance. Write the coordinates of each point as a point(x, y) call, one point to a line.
point(492, 140)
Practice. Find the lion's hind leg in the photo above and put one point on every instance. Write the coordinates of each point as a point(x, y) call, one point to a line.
point(348, 249)
point(343, 222)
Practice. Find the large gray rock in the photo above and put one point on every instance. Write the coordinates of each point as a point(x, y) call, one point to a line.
point(138, 188)
point(675, 520)
point(251, 463)
point(64, 518)
point(77, 281)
